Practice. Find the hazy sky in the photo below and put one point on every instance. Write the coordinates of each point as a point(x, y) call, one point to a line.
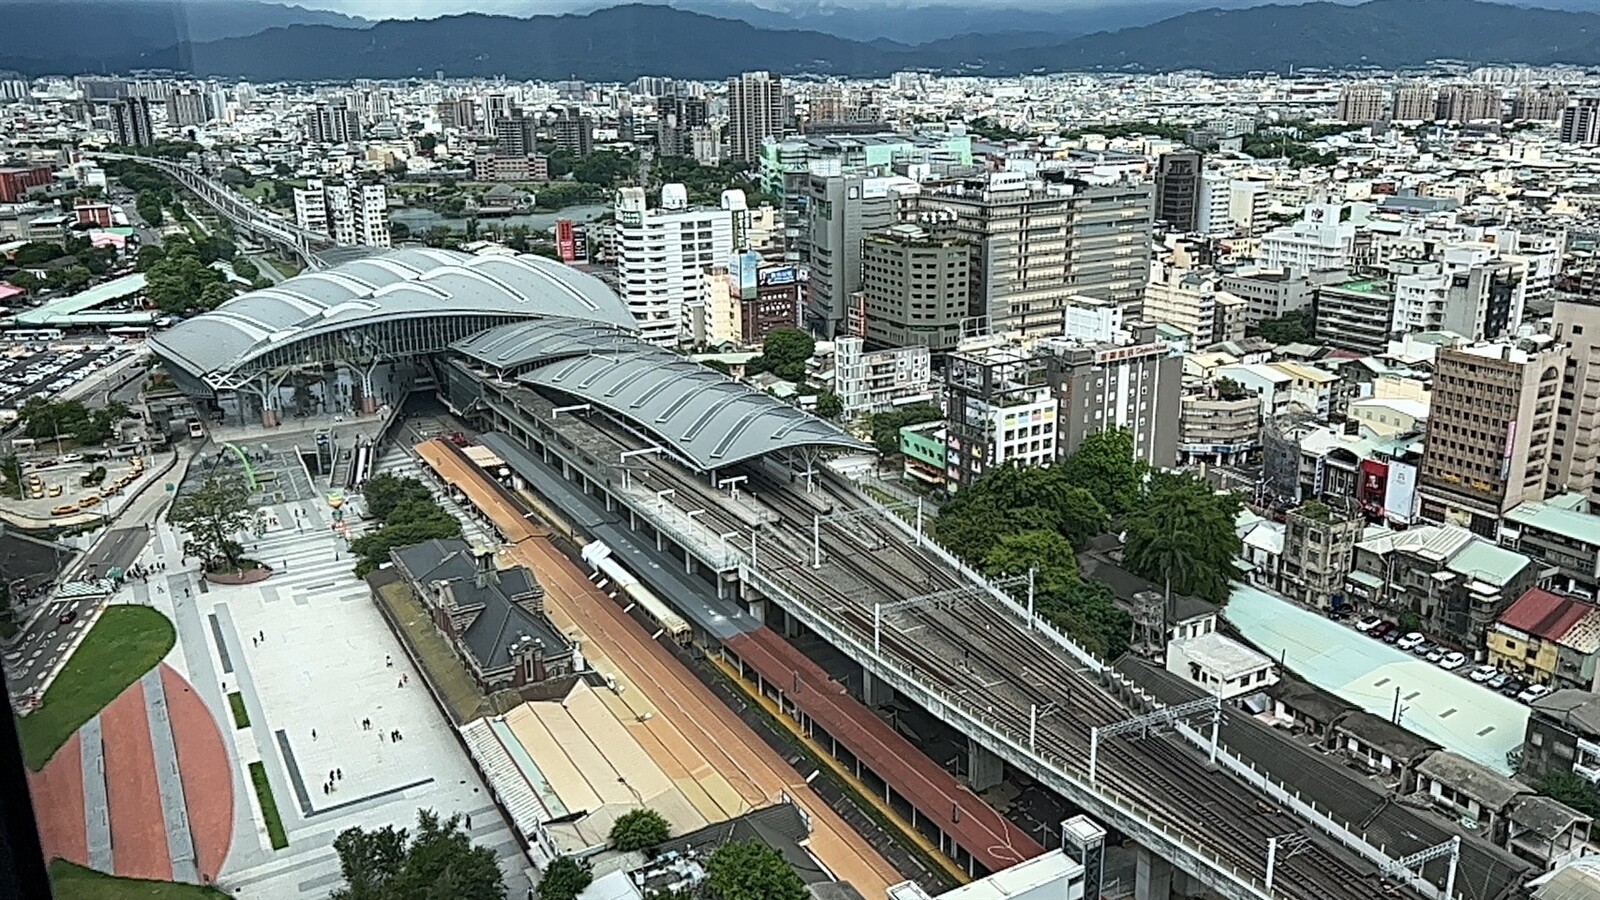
point(409, 9)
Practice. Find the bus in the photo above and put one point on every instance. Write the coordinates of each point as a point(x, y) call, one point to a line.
point(34, 334)
point(131, 332)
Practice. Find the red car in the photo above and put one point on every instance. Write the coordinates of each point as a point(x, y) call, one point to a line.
point(67, 617)
point(1382, 629)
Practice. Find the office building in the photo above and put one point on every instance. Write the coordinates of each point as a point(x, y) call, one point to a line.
point(1362, 104)
point(1036, 244)
point(492, 167)
point(1268, 293)
point(755, 113)
point(349, 212)
point(1580, 121)
point(516, 135)
point(915, 288)
point(662, 255)
point(1231, 206)
point(1355, 315)
point(840, 211)
point(1192, 301)
point(869, 381)
point(676, 120)
point(1539, 104)
point(1491, 430)
point(186, 107)
point(572, 131)
point(1468, 103)
point(1178, 189)
point(332, 122)
point(130, 122)
point(740, 310)
point(1415, 102)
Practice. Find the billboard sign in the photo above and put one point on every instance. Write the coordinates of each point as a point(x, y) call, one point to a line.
point(774, 276)
point(566, 240)
point(1400, 493)
point(746, 266)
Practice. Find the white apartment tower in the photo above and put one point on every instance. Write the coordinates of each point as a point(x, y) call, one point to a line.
point(662, 256)
point(350, 212)
point(755, 113)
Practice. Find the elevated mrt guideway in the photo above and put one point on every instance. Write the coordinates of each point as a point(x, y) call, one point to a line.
point(917, 623)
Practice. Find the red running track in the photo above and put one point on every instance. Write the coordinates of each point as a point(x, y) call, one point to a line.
point(206, 771)
point(57, 793)
point(138, 828)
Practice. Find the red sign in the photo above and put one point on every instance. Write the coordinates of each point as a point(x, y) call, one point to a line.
point(566, 243)
point(1374, 485)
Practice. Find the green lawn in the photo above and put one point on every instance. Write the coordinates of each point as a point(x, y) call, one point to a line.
point(70, 882)
point(269, 806)
point(241, 717)
point(124, 644)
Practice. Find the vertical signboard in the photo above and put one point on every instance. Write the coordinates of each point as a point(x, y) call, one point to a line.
point(566, 242)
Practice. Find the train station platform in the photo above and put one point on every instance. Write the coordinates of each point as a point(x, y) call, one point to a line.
point(690, 596)
point(964, 827)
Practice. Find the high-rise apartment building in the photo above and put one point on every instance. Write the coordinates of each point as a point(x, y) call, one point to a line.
point(332, 122)
point(186, 107)
point(1415, 102)
point(516, 135)
point(915, 288)
point(1178, 189)
point(130, 121)
point(1362, 104)
point(840, 211)
point(572, 131)
point(1231, 206)
point(1580, 121)
point(755, 113)
point(676, 120)
point(1468, 103)
point(1575, 459)
point(1192, 300)
point(1491, 430)
point(1539, 104)
point(350, 212)
point(458, 115)
point(1034, 244)
point(662, 256)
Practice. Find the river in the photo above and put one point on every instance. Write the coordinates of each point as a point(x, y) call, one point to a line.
point(420, 219)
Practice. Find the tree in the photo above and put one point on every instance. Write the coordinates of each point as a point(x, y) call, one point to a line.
point(409, 522)
point(1228, 389)
point(385, 492)
point(148, 206)
point(1106, 466)
point(750, 870)
point(70, 418)
point(148, 256)
point(215, 294)
point(11, 471)
point(69, 278)
point(244, 268)
point(440, 861)
point(565, 878)
point(25, 280)
point(829, 406)
point(211, 515)
point(638, 829)
point(785, 352)
point(886, 426)
point(1182, 536)
point(1292, 327)
point(1571, 789)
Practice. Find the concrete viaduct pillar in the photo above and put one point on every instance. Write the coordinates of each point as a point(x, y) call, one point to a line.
point(984, 769)
point(1152, 878)
point(874, 693)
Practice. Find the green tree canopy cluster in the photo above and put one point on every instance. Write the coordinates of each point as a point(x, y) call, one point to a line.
point(565, 878)
point(990, 130)
point(44, 420)
point(212, 516)
point(1292, 327)
point(1183, 535)
point(409, 516)
point(886, 425)
point(440, 861)
point(784, 353)
point(178, 281)
point(244, 268)
point(1573, 790)
point(751, 870)
point(705, 184)
point(638, 829)
point(1165, 130)
point(1279, 146)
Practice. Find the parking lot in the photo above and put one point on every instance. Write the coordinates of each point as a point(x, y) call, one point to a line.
point(31, 369)
point(75, 485)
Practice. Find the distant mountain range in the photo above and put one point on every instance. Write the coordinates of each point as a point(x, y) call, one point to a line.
point(623, 42)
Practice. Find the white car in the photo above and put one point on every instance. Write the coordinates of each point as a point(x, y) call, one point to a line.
point(1452, 661)
point(1367, 623)
point(1411, 640)
point(1533, 693)
point(1480, 674)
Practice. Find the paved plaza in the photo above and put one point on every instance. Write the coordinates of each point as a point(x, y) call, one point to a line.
point(310, 656)
point(1443, 707)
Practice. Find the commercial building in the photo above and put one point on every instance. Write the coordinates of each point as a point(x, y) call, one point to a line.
point(756, 111)
point(1362, 104)
point(1491, 430)
point(744, 302)
point(1036, 244)
point(572, 131)
point(662, 254)
point(333, 122)
point(999, 409)
point(1575, 458)
point(841, 210)
point(1231, 206)
point(1217, 430)
point(880, 380)
point(915, 288)
point(493, 618)
point(1580, 121)
point(130, 122)
point(1547, 639)
point(1562, 535)
point(1178, 189)
point(350, 212)
point(1269, 293)
point(1354, 315)
point(1454, 581)
point(16, 181)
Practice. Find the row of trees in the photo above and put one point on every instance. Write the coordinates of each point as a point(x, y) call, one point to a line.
point(409, 515)
point(87, 262)
point(1292, 327)
point(1178, 532)
point(742, 870)
point(44, 420)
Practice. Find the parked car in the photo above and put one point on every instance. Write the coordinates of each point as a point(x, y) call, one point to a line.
point(1435, 654)
point(1411, 640)
point(1366, 623)
point(1481, 674)
point(1533, 693)
point(1424, 648)
point(1452, 661)
point(1381, 629)
point(1513, 687)
point(1393, 636)
point(1499, 681)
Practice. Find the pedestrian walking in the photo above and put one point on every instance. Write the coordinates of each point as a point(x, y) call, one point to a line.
point(400, 684)
point(340, 773)
point(388, 661)
point(381, 738)
point(324, 790)
point(469, 823)
point(313, 734)
point(262, 635)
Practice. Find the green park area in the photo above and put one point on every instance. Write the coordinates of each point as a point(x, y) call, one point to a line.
point(70, 882)
point(125, 643)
